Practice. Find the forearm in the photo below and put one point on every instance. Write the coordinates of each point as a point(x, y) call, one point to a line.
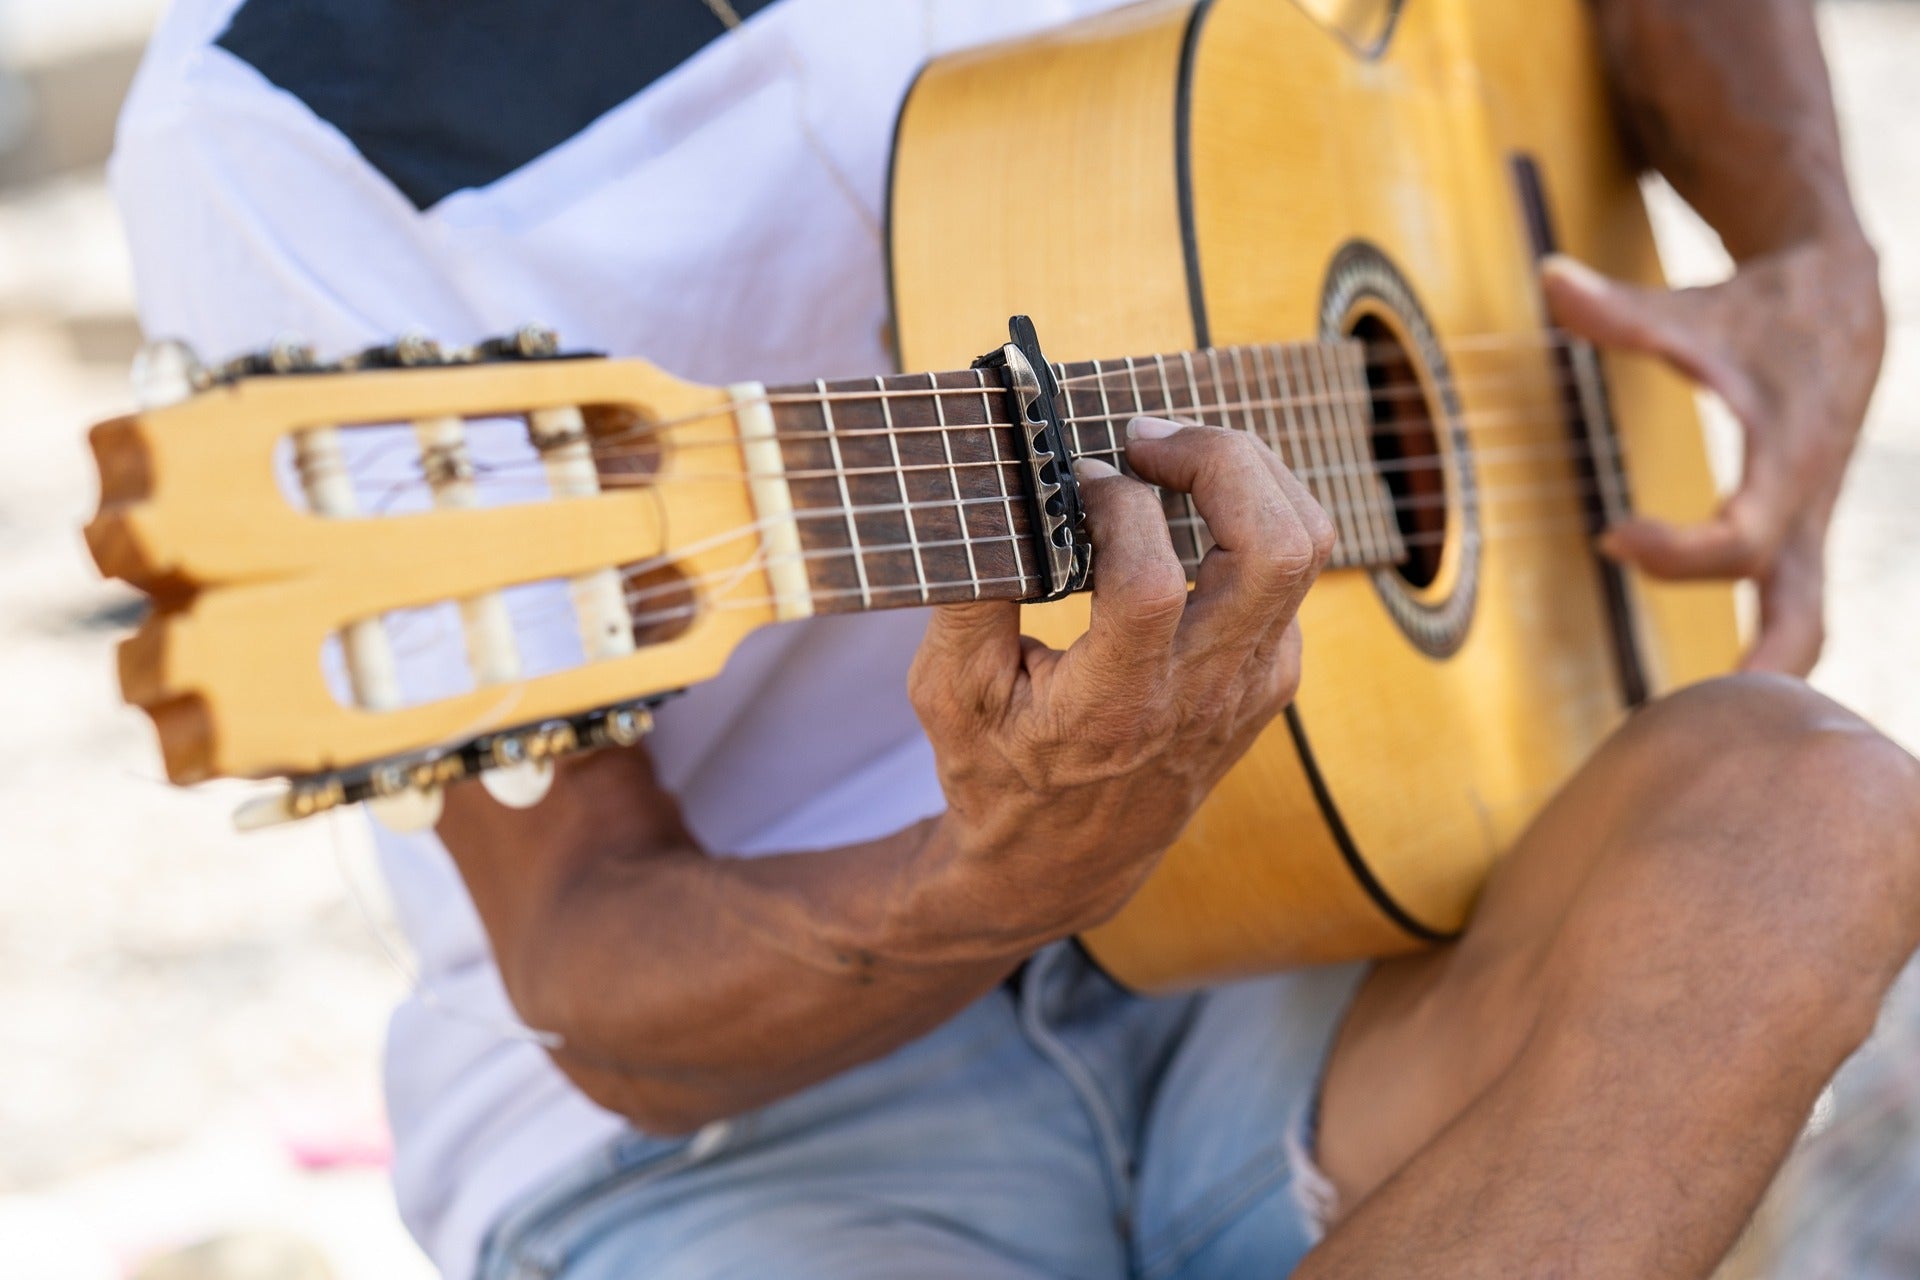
point(686, 987)
point(1729, 99)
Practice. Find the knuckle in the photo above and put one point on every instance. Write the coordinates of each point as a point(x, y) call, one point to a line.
point(1320, 530)
point(1155, 591)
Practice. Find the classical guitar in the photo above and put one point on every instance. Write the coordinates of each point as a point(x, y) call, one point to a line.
point(1318, 222)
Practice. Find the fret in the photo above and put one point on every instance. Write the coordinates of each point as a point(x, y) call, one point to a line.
point(1212, 358)
point(906, 502)
point(1245, 391)
point(1119, 455)
point(1341, 434)
point(846, 497)
point(1319, 477)
point(1355, 467)
point(953, 482)
point(1019, 552)
point(1340, 446)
point(1266, 399)
point(1351, 357)
point(1202, 536)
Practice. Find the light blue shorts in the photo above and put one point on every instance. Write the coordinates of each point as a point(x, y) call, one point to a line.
point(1056, 1128)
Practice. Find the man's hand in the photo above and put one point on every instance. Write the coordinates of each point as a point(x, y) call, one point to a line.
point(1792, 344)
point(1067, 773)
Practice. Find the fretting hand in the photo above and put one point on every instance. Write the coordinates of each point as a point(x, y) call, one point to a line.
point(1068, 773)
point(1792, 344)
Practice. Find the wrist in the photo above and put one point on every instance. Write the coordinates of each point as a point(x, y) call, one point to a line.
point(958, 905)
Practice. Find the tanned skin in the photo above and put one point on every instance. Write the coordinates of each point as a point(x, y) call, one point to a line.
point(1601, 1077)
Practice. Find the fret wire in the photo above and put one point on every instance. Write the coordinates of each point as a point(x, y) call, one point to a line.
point(1316, 468)
point(1266, 396)
point(1342, 449)
point(1360, 408)
point(1350, 453)
point(846, 494)
point(953, 482)
point(900, 476)
point(1202, 533)
point(1106, 411)
point(1166, 392)
point(993, 438)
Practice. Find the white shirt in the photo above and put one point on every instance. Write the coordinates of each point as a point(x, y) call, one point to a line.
point(693, 223)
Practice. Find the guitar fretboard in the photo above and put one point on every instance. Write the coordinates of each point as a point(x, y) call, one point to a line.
point(908, 489)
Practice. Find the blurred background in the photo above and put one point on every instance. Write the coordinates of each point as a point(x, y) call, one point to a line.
point(190, 1021)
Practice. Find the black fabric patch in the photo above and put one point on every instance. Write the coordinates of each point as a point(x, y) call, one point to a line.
point(443, 95)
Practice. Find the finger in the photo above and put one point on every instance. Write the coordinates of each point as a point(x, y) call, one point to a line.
point(1139, 586)
point(1667, 323)
point(1266, 554)
point(1792, 608)
point(1740, 541)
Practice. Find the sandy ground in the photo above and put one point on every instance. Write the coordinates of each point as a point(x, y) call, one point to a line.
point(190, 1021)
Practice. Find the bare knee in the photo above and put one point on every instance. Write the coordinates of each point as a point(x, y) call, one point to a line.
point(1774, 802)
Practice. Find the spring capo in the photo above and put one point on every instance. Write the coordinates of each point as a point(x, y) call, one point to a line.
point(1053, 495)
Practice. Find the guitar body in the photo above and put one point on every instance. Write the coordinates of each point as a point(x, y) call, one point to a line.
point(1173, 175)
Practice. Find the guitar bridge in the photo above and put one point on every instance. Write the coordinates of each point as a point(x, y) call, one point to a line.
point(1060, 539)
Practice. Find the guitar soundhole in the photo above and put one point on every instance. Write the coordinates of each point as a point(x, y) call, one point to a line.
point(1404, 438)
point(1419, 441)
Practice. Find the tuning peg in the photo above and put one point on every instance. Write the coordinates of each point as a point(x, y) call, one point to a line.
point(520, 786)
point(528, 342)
point(167, 372)
point(404, 812)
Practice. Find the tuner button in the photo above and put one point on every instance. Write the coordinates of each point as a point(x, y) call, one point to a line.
point(166, 373)
point(408, 811)
point(519, 786)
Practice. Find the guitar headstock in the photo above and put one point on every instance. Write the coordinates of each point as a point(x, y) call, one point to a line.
point(292, 522)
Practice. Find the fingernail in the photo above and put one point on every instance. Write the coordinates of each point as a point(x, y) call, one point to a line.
point(1093, 469)
point(1150, 428)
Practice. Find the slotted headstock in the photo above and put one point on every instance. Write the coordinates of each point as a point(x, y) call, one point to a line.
point(256, 514)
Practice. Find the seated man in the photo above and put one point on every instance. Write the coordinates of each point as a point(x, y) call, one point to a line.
point(804, 1002)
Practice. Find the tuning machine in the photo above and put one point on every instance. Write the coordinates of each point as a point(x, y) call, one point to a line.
point(406, 793)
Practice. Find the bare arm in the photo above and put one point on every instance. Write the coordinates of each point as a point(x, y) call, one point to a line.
point(687, 987)
point(1730, 100)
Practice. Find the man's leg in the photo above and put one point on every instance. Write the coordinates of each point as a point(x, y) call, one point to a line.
point(1603, 1075)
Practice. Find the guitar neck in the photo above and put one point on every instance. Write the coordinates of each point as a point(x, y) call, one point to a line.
point(910, 490)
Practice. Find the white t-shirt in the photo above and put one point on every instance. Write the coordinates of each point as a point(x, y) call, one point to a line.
point(630, 175)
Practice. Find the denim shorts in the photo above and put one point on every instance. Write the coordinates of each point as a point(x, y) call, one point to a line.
point(1058, 1127)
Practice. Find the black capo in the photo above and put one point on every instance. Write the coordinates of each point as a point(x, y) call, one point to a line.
point(1059, 524)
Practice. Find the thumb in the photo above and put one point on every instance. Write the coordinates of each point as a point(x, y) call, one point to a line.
point(1607, 311)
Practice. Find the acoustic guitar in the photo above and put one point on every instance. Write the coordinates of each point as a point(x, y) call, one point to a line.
point(1319, 222)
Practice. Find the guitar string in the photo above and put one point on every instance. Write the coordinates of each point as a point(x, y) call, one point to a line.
point(1443, 464)
point(759, 561)
point(1517, 532)
point(1120, 380)
point(610, 446)
point(1479, 422)
point(1513, 531)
